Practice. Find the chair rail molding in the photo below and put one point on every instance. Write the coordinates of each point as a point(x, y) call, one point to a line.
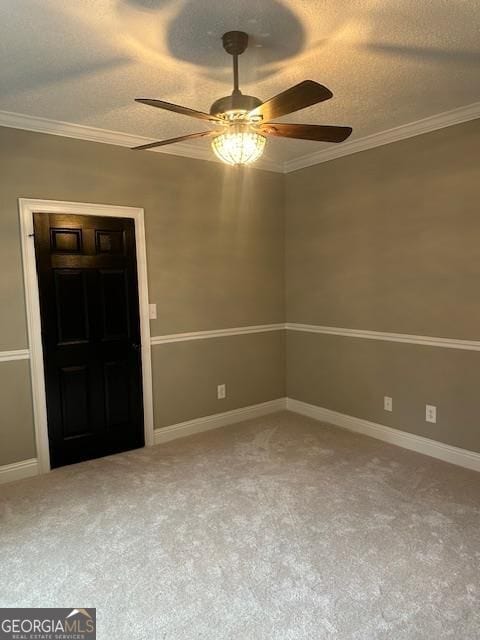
point(16, 354)
point(366, 334)
point(216, 333)
point(428, 341)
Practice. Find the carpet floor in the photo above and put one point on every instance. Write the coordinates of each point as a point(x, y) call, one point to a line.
point(273, 529)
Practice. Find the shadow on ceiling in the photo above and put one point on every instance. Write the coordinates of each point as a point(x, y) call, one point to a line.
point(193, 34)
point(427, 54)
point(413, 32)
point(19, 80)
point(148, 5)
point(190, 31)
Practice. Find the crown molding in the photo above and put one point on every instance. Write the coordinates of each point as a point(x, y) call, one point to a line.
point(432, 123)
point(106, 136)
point(198, 152)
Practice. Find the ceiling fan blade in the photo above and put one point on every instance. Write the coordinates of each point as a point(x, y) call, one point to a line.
point(300, 96)
point(320, 133)
point(161, 143)
point(168, 106)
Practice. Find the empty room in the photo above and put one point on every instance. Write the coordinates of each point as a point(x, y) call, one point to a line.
point(240, 320)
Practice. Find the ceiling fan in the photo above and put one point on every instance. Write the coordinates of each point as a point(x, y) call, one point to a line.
point(243, 122)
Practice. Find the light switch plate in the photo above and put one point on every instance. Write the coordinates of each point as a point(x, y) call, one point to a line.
point(387, 403)
point(152, 310)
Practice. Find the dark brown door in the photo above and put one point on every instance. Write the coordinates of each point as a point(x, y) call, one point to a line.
point(91, 335)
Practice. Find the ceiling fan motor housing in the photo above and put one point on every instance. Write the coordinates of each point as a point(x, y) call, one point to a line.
point(235, 102)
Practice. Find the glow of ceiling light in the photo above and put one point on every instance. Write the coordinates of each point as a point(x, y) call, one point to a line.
point(238, 145)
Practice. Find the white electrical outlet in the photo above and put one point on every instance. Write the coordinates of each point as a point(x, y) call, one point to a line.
point(387, 403)
point(221, 391)
point(152, 310)
point(430, 413)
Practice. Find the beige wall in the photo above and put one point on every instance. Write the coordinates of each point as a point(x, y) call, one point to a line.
point(17, 438)
point(389, 240)
point(215, 260)
point(352, 375)
point(252, 366)
point(385, 240)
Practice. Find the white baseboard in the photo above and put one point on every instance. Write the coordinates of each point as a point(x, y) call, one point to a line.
point(433, 448)
point(18, 470)
point(439, 450)
point(182, 429)
point(29, 468)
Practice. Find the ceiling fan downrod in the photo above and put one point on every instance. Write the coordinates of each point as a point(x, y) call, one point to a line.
point(235, 43)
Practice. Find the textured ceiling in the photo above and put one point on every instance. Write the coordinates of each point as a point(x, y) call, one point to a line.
point(388, 62)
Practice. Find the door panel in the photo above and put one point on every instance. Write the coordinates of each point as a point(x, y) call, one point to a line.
point(66, 240)
point(91, 335)
point(76, 401)
point(111, 242)
point(115, 300)
point(117, 402)
point(71, 305)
